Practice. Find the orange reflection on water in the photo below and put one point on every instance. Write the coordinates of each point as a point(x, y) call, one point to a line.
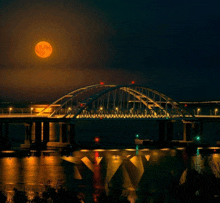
point(215, 164)
point(10, 175)
point(54, 174)
point(10, 170)
point(97, 178)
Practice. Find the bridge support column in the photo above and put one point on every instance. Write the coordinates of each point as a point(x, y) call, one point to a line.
point(1, 132)
point(169, 131)
point(72, 133)
point(28, 129)
point(201, 128)
point(38, 132)
point(186, 131)
point(197, 128)
point(6, 130)
point(162, 130)
point(46, 130)
point(63, 132)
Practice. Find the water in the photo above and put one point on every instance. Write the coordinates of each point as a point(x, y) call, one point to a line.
point(89, 172)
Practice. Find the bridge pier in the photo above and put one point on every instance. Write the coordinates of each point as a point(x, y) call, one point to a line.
point(28, 129)
point(6, 130)
point(38, 129)
point(4, 133)
point(63, 132)
point(165, 131)
point(192, 129)
point(187, 131)
point(162, 131)
point(46, 132)
point(72, 133)
point(170, 131)
point(197, 128)
point(1, 132)
point(28, 134)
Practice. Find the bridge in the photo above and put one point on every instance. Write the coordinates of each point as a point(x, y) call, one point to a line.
point(105, 102)
point(112, 102)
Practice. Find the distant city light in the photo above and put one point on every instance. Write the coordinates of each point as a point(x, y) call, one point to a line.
point(132, 82)
point(102, 83)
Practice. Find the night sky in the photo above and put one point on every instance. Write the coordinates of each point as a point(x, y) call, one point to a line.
point(171, 46)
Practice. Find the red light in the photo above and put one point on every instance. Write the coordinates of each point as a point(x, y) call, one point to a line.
point(185, 105)
point(81, 104)
point(132, 82)
point(100, 118)
point(102, 83)
point(214, 150)
point(96, 139)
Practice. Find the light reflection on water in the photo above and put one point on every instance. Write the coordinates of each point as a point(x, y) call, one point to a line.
point(94, 171)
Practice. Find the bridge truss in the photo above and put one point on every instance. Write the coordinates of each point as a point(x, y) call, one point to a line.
point(114, 102)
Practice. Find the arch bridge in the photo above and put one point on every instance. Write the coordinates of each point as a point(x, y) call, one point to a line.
point(116, 102)
point(103, 102)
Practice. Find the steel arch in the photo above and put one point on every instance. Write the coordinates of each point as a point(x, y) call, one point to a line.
point(148, 101)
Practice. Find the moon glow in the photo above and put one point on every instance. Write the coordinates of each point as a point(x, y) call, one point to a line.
point(43, 49)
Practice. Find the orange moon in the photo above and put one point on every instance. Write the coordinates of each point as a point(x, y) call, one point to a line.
point(43, 49)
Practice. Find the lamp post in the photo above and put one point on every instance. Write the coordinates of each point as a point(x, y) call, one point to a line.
point(10, 109)
point(216, 111)
point(101, 109)
point(198, 111)
point(32, 109)
point(69, 110)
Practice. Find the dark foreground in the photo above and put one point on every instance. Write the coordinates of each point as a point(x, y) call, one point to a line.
point(192, 187)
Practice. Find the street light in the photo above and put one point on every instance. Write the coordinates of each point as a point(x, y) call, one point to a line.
point(216, 111)
point(69, 109)
point(198, 110)
point(32, 109)
point(10, 109)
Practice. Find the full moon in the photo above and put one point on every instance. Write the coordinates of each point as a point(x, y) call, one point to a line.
point(43, 49)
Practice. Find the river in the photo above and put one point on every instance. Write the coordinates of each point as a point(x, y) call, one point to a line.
point(134, 172)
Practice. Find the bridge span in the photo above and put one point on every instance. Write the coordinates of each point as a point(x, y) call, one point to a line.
point(105, 102)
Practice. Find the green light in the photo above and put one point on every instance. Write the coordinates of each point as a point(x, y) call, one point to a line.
point(137, 148)
point(197, 138)
point(137, 136)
